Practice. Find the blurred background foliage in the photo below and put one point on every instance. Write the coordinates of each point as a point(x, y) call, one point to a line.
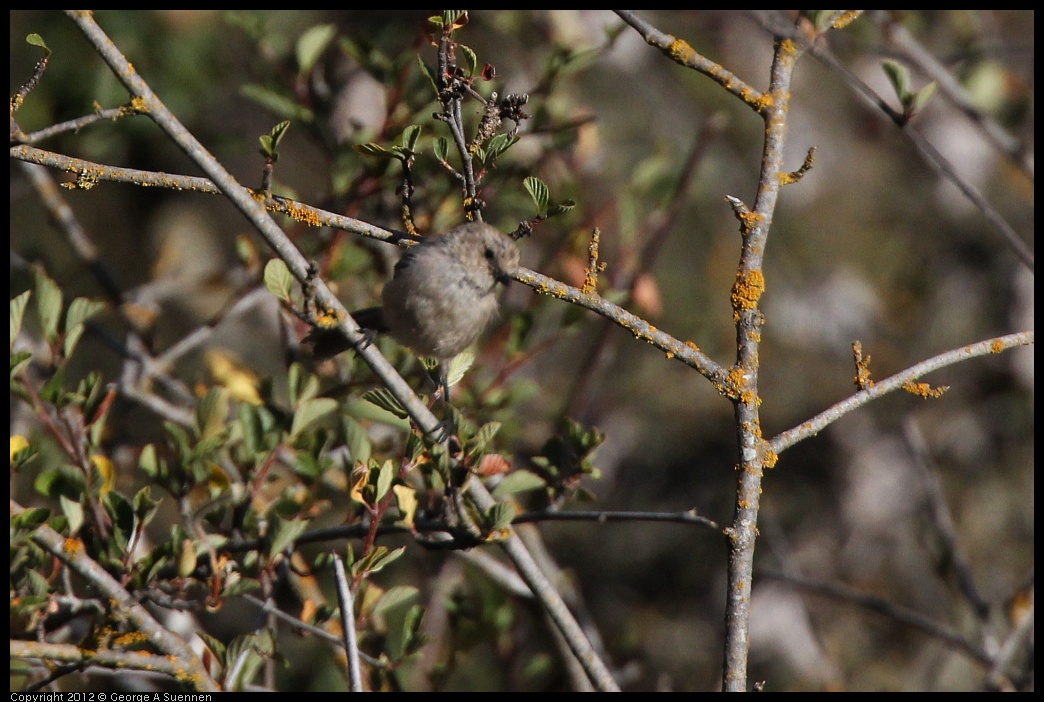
point(871, 245)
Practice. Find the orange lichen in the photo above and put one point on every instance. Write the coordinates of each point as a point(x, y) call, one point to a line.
point(681, 51)
point(846, 18)
point(304, 215)
point(924, 389)
point(594, 267)
point(863, 381)
point(747, 290)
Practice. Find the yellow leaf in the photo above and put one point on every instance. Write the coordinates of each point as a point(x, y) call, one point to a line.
point(231, 374)
point(406, 498)
point(107, 470)
point(18, 442)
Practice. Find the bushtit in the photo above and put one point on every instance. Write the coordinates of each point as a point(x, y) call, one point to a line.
point(442, 295)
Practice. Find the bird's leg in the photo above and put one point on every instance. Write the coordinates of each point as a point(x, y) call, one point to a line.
point(441, 380)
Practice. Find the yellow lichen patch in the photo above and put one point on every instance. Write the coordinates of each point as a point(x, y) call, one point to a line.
point(85, 180)
point(750, 221)
point(72, 546)
point(863, 380)
point(303, 215)
point(138, 105)
point(681, 51)
point(594, 267)
point(762, 102)
point(996, 346)
point(692, 345)
point(846, 18)
point(747, 290)
point(328, 319)
point(131, 638)
point(924, 389)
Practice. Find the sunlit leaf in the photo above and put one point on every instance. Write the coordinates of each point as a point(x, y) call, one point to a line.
point(278, 279)
point(538, 191)
point(519, 481)
point(383, 398)
point(18, 305)
point(309, 411)
point(312, 44)
point(48, 305)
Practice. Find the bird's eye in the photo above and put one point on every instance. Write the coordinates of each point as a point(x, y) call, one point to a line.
point(489, 254)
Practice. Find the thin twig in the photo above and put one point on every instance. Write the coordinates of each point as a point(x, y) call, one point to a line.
point(880, 388)
point(351, 641)
point(903, 615)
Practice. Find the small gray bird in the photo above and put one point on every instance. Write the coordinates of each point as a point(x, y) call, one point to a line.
point(442, 295)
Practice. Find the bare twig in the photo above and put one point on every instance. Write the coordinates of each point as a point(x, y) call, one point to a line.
point(903, 615)
point(815, 425)
point(351, 642)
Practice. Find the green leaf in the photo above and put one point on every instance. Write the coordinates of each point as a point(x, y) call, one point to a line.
point(450, 17)
point(122, 515)
point(309, 411)
point(899, 77)
point(519, 481)
point(19, 361)
point(375, 150)
point(378, 558)
point(500, 515)
point(470, 57)
point(216, 647)
point(498, 145)
point(459, 365)
point(270, 141)
point(395, 596)
point(73, 511)
point(145, 507)
point(37, 40)
point(357, 440)
point(383, 398)
point(30, 519)
point(18, 305)
point(302, 385)
point(285, 533)
point(278, 279)
point(441, 148)
point(385, 477)
point(411, 628)
point(409, 137)
point(560, 208)
point(538, 191)
point(277, 103)
point(312, 44)
point(212, 413)
point(80, 309)
point(48, 305)
point(148, 461)
point(429, 74)
point(922, 96)
point(485, 435)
